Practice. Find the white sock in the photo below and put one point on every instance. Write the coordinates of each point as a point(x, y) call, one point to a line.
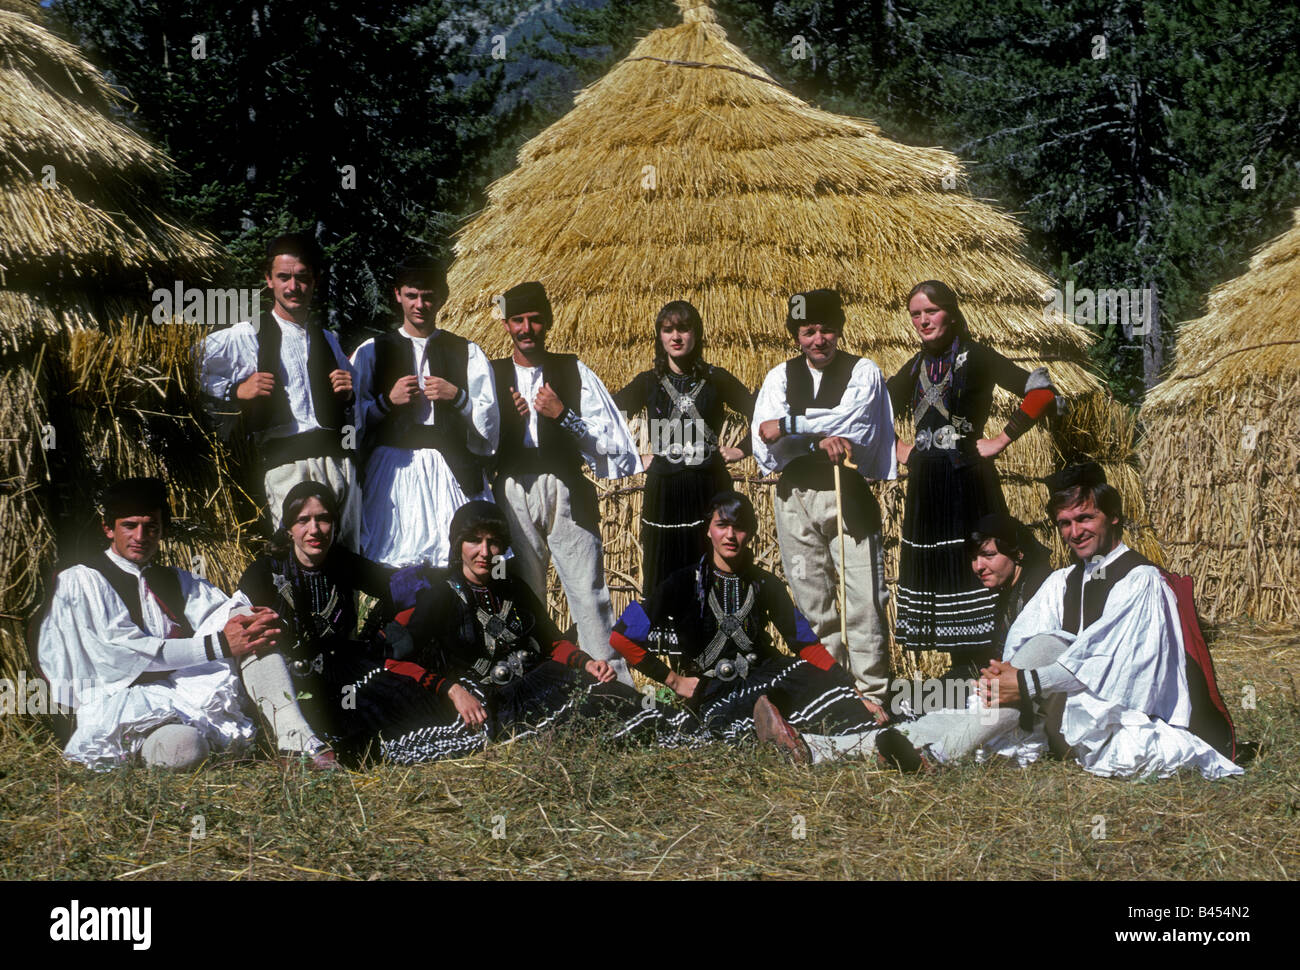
point(268, 682)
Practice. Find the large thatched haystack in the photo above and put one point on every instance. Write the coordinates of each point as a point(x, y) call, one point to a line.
point(1222, 460)
point(90, 390)
point(688, 173)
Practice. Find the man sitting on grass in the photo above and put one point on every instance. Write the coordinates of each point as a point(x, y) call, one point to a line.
point(1095, 666)
point(143, 652)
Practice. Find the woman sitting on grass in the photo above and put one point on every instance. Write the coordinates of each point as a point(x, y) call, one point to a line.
point(322, 688)
point(711, 621)
point(498, 663)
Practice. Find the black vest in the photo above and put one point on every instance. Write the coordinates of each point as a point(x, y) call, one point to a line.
point(814, 470)
point(448, 357)
point(557, 451)
point(162, 580)
point(1097, 590)
point(262, 413)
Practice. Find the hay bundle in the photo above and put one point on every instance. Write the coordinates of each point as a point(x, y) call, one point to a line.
point(89, 390)
point(688, 173)
point(1222, 464)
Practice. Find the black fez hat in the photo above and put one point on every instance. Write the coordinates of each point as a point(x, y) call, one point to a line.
point(1000, 525)
point(473, 517)
point(1086, 474)
point(815, 306)
point(135, 496)
point(526, 298)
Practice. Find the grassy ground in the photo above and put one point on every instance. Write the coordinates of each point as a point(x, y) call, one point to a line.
point(569, 807)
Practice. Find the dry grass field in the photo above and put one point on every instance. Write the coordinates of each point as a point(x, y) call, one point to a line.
point(570, 807)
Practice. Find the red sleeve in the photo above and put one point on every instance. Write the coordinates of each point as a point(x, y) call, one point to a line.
point(816, 655)
point(567, 653)
point(1037, 402)
point(637, 656)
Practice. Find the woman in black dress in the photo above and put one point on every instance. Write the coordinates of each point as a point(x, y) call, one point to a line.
point(947, 388)
point(711, 620)
point(499, 665)
point(339, 685)
point(684, 399)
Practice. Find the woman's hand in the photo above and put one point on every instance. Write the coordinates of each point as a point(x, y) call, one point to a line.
point(731, 454)
point(467, 706)
point(992, 447)
point(904, 451)
point(601, 670)
point(877, 712)
point(684, 687)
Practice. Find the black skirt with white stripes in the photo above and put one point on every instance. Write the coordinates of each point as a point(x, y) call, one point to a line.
point(672, 517)
point(813, 700)
point(941, 604)
point(547, 696)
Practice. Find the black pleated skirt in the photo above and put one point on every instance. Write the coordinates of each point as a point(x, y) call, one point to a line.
point(672, 519)
point(941, 604)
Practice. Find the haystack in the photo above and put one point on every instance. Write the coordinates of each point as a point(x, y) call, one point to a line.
point(1222, 462)
point(90, 390)
point(687, 172)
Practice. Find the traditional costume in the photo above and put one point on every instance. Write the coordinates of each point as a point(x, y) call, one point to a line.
point(846, 399)
point(426, 459)
point(300, 428)
point(714, 625)
point(686, 414)
point(498, 643)
point(550, 506)
point(941, 604)
point(136, 648)
point(342, 685)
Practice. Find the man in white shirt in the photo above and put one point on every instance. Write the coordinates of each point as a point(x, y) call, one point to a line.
point(813, 412)
point(1095, 665)
point(293, 384)
point(142, 652)
point(427, 405)
point(556, 416)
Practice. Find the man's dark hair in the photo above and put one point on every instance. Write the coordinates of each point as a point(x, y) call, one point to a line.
point(733, 508)
point(135, 496)
point(298, 245)
point(1104, 495)
point(422, 272)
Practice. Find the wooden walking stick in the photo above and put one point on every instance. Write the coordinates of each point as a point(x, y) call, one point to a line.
point(844, 587)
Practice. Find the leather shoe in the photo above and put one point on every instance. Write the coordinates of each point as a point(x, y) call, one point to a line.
point(893, 750)
point(772, 728)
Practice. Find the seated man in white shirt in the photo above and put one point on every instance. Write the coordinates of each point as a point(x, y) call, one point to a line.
point(814, 412)
point(293, 384)
point(143, 652)
point(1095, 667)
point(556, 416)
point(428, 410)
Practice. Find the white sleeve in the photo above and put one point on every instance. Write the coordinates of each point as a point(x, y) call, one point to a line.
point(606, 444)
point(340, 359)
point(865, 417)
point(1042, 614)
point(368, 410)
point(485, 419)
point(227, 357)
point(770, 405)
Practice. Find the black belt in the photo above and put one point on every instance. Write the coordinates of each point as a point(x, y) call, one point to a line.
point(317, 443)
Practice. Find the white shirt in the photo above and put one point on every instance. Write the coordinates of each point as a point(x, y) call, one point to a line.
point(864, 417)
point(229, 357)
point(607, 446)
point(479, 407)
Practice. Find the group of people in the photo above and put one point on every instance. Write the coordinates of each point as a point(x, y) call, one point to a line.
point(443, 483)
